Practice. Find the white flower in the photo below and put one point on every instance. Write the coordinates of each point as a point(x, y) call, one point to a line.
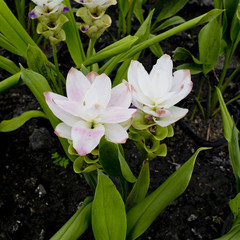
point(47, 7)
point(156, 93)
point(97, 5)
point(91, 110)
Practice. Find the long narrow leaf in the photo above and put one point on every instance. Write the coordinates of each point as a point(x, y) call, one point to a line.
point(17, 122)
point(141, 216)
point(10, 82)
point(73, 39)
point(8, 65)
point(77, 224)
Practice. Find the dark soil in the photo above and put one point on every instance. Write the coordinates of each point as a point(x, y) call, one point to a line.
point(38, 197)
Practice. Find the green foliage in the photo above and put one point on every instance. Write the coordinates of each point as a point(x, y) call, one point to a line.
point(140, 217)
point(77, 224)
point(59, 161)
point(17, 122)
point(108, 211)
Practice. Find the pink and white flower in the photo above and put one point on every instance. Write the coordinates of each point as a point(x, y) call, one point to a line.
point(155, 94)
point(91, 110)
point(47, 7)
point(97, 5)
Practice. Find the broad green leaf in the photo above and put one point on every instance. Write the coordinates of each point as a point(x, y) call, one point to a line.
point(77, 224)
point(140, 188)
point(73, 39)
point(231, 7)
point(8, 65)
point(209, 40)
point(169, 22)
point(111, 50)
point(140, 217)
point(17, 122)
point(193, 67)
point(37, 61)
point(10, 82)
point(182, 54)
point(170, 8)
point(126, 171)
point(108, 211)
point(235, 28)
point(108, 158)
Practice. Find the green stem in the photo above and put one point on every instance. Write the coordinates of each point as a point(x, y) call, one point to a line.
point(54, 50)
point(222, 77)
point(129, 17)
point(230, 78)
point(198, 97)
point(90, 50)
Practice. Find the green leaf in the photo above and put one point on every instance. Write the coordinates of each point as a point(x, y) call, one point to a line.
point(111, 50)
point(231, 134)
point(14, 32)
point(140, 217)
point(108, 211)
point(234, 205)
point(170, 8)
point(4, 43)
point(10, 82)
point(193, 67)
point(8, 65)
point(170, 22)
point(37, 61)
point(77, 224)
point(182, 54)
point(140, 188)
point(38, 85)
point(209, 40)
point(138, 11)
point(108, 158)
point(156, 48)
point(126, 171)
point(17, 122)
point(73, 39)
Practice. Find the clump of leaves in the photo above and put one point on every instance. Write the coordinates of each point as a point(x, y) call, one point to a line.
point(59, 161)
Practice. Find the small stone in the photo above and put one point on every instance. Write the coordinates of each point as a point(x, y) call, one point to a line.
point(192, 217)
point(41, 190)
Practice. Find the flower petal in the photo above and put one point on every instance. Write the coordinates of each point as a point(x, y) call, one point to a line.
point(85, 139)
point(117, 114)
point(182, 86)
point(77, 85)
point(99, 93)
point(63, 130)
point(120, 96)
point(133, 79)
point(91, 76)
point(176, 113)
point(115, 133)
point(67, 118)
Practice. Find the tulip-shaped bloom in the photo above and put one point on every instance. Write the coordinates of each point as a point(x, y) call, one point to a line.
point(97, 7)
point(91, 110)
point(47, 7)
point(155, 94)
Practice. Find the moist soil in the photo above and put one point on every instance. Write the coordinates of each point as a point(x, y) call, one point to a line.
point(38, 196)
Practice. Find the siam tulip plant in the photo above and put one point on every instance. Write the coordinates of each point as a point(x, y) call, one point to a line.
point(92, 120)
point(231, 134)
point(219, 37)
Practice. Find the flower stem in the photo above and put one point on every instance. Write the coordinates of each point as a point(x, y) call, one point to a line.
point(90, 50)
point(54, 50)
